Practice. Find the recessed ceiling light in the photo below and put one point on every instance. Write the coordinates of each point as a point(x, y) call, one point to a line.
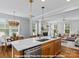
point(68, 0)
point(43, 0)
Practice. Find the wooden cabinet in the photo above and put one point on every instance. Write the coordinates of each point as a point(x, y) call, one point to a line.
point(50, 49)
point(46, 49)
point(17, 54)
point(57, 46)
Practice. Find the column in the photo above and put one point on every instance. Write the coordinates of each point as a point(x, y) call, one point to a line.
point(30, 21)
point(49, 30)
point(36, 28)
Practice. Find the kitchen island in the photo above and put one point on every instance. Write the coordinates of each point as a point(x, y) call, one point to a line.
point(48, 48)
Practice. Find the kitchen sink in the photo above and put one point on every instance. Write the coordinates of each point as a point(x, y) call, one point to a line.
point(42, 40)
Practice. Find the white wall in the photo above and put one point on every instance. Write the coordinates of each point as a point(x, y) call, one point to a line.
point(74, 26)
point(24, 28)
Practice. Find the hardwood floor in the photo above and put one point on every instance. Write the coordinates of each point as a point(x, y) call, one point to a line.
point(69, 52)
point(65, 53)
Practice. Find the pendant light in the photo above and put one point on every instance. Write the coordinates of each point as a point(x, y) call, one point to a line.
point(13, 23)
point(42, 28)
point(30, 16)
point(30, 3)
point(43, 12)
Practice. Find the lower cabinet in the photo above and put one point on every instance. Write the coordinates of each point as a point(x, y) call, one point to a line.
point(51, 49)
point(47, 50)
point(57, 46)
point(17, 54)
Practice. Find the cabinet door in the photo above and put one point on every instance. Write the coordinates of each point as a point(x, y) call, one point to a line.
point(57, 46)
point(17, 54)
point(45, 50)
point(52, 46)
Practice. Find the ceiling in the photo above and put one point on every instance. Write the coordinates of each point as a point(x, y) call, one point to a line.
point(52, 7)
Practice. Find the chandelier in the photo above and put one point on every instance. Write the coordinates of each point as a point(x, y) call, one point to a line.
point(13, 23)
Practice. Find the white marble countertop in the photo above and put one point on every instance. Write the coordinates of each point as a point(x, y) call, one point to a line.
point(28, 43)
point(69, 44)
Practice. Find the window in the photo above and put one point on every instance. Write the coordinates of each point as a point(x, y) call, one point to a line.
point(33, 29)
point(44, 29)
point(4, 28)
point(67, 28)
point(13, 26)
point(7, 30)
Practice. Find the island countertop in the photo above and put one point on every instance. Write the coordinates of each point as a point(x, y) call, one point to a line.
point(23, 44)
